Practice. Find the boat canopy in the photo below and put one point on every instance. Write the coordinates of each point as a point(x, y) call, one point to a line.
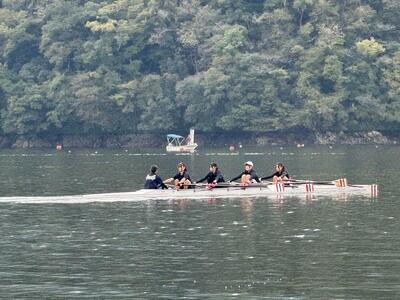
point(175, 140)
point(174, 136)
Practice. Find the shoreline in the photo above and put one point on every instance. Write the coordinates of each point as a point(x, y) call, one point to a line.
point(158, 140)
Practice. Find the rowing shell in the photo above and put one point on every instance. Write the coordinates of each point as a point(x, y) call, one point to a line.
point(262, 191)
point(202, 193)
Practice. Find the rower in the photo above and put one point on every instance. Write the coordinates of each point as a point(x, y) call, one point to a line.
point(248, 176)
point(153, 180)
point(214, 176)
point(279, 175)
point(181, 179)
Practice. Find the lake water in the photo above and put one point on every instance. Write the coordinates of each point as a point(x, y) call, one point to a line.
point(335, 247)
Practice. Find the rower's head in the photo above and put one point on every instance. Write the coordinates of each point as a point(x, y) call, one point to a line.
point(153, 169)
point(181, 167)
point(280, 167)
point(248, 165)
point(213, 167)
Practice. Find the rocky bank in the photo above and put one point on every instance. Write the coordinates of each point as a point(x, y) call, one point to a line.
point(222, 139)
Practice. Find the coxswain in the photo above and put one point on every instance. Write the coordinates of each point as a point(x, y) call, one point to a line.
point(279, 175)
point(248, 176)
point(153, 180)
point(214, 176)
point(181, 179)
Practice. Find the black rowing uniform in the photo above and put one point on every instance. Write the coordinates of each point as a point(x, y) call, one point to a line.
point(153, 181)
point(252, 173)
point(180, 176)
point(213, 177)
point(277, 174)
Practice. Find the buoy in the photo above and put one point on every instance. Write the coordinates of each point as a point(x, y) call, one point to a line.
point(231, 148)
point(58, 147)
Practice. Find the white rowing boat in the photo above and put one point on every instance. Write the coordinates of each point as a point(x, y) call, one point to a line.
point(258, 191)
point(254, 191)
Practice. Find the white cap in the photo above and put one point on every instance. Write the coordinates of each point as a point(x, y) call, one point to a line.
point(249, 163)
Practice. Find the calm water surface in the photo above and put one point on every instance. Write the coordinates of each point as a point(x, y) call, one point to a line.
point(338, 247)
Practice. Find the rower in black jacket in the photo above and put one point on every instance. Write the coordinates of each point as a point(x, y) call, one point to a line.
point(279, 175)
point(248, 176)
point(153, 181)
point(182, 179)
point(214, 176)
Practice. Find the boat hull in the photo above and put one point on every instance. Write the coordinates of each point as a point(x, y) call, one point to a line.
point(263, 191)
point(183, 148)
point(202, 193)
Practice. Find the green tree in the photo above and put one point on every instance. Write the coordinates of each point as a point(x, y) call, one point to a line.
point(123, 66)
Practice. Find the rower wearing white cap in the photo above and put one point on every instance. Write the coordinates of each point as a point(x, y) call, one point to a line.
point(248, 176)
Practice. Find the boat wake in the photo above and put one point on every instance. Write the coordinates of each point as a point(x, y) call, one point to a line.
point(71, 199)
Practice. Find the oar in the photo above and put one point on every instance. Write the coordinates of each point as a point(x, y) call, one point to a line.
point(333, 182)
point(302, 181)
point(204, 185)
point(226, 185)
point(251, 185)
point(219, 184)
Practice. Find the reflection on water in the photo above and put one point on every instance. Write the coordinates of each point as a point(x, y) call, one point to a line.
point(246, 205)
point(303, 247)
point(179, 203)
point(194, 249)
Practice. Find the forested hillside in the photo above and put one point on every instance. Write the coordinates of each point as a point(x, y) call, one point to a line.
point(125, 66)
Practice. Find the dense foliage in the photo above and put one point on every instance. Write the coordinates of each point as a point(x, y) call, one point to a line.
point(120, 66)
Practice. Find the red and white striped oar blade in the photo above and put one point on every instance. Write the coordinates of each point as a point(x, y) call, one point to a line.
point(309, 187)
point(374, 189)
point(341, 182)
point(280, 187)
